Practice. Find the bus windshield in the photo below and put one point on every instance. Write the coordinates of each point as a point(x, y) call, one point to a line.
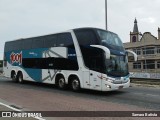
point(109, 38)
point(117, 66)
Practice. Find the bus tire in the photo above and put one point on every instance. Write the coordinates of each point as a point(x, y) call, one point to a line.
point(13, 76)
point(20, 77)
point(61, 82)
point(75, 84)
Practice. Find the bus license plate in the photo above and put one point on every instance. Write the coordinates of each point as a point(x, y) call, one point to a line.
point(120, 87)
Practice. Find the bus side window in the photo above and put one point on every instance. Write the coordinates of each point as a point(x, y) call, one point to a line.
point(18, 45)
point(38, 42)
point(50, 41)
point(27, 44)
point(13, 47)
point(64, 40)
point(86, 37)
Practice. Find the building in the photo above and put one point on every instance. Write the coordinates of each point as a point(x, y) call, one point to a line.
point(147, 48)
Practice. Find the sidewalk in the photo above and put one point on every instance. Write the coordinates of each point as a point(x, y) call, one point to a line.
point(146, 83)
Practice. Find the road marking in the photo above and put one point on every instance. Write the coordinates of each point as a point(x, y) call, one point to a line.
point(10, 107)
point(19, 110)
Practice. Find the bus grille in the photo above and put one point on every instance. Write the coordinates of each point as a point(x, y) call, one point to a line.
point(120, 81)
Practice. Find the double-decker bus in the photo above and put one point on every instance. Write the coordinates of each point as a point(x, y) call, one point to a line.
point(88, 58)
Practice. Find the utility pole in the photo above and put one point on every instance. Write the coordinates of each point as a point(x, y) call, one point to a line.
point(106, 15)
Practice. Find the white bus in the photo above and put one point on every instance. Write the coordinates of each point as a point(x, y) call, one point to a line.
point(87, 58)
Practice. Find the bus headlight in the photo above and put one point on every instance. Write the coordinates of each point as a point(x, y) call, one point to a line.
point(108, 86)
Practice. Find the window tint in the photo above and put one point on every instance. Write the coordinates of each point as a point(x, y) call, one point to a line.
point(18, 45)
point(93, 59)
point(109, 38)
point(64, 40)
point(27, 44)
point(85, 37)
point(57, 40)
point(50, 41)
point(13, 46)
point(50, 63)
point(65, 64)
point(38, 42)
point(7, 46)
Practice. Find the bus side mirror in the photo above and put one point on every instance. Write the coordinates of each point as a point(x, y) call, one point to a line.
point(105, 49)
point(132, 56)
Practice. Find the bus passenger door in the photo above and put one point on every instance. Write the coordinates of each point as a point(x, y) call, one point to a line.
point(95, 82)
point(96, 65)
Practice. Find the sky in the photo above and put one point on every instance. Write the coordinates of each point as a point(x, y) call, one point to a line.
point(29, 18)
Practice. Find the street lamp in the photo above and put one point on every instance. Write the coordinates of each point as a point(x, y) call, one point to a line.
point(106, 14)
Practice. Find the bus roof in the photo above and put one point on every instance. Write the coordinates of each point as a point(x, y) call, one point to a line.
point(83, 28)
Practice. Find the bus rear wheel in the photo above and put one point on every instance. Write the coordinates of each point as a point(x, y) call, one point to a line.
point(20, 77)
point(75, 84)
point(13, 77)
point(61, 83)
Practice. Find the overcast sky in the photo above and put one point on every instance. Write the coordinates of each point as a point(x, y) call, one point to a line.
point(28, 18)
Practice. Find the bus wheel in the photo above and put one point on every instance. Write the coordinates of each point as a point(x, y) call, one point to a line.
point(75, 84)
point(20, 77)
point(61, 83)
point(14, 77)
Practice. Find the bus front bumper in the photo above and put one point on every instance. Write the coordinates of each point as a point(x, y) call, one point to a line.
point(109, 86)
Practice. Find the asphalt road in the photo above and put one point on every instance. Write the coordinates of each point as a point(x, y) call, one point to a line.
point(43, 97)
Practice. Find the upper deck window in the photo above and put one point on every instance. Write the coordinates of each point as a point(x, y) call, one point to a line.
point(86, 37)
point(64, 40)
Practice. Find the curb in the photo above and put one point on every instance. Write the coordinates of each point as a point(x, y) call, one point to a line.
point(145, 85)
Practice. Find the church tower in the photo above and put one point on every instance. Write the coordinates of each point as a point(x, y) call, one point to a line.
point(134, 36)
